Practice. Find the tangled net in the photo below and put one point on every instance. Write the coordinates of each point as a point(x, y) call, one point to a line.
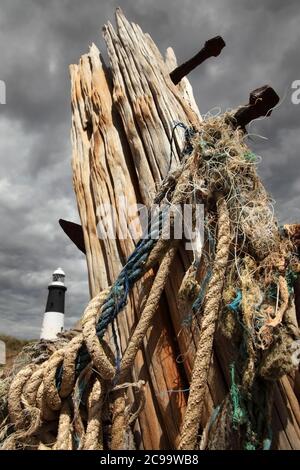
point(76, 397)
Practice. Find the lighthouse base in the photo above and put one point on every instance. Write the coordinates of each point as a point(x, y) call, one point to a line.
point(53, 324)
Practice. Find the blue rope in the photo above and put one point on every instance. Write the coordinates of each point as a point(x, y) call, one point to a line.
point(214, 416)
point(267, 442)
point(200, 298)
point(118, 295)
point(238, 411)
point(234, 306)
point(118, 352)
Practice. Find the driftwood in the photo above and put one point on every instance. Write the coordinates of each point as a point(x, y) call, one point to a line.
point(123, 119)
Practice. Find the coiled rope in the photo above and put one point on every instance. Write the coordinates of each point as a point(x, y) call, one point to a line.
point(76, 397)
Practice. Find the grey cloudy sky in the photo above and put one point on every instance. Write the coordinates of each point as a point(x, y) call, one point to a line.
point(39, 39)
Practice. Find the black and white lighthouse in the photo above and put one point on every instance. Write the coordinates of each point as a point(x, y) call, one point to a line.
point(53, 322)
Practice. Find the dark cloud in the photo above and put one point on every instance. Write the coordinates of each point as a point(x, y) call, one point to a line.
point(38, 41)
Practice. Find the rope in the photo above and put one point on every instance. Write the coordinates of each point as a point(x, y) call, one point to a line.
point(94, 431)
point(64, 435)
point(238, 411)
point(116, 298)
point(119, 421)
point(94, 346)
point(71, 395)
point(198, 384)
point(14, 396)
point(148, 312)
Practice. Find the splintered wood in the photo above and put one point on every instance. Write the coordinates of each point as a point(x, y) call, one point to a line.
point(122, 125)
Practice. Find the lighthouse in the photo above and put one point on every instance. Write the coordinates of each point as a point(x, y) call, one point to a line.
point(53, 321)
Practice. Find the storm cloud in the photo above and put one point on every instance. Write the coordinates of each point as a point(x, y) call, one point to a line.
point(38, 41)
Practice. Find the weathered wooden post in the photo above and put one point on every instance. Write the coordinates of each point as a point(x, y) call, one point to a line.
point(122, 126)
point(121, 141)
